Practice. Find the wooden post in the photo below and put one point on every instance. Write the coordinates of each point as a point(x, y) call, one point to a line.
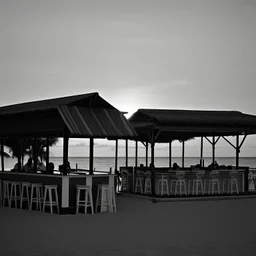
point(126, 152)
point(237, 151)
point(91, 155)
point(170, 154)
point(201, 155)
point(35, 154)
point(116, 155)
point(136, 153)
point(213, 149)
point(146, 154)
point(183, 153)
point(152, 167)
point(47, 152)
point(2, 154)
point(65, 151)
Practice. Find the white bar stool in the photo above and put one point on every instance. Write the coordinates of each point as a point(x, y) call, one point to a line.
point(24, 188)
point(104, 198)
point(162, 185)
point(14, 194)
point(37, 190)
point(51, 202)
point(125, 180)
point(214, 182)
point(198, 183)
point(139, 182)
point(180, 183)
point(147, 186)
point(87, 195)
point(6, 192)
point(233, 181)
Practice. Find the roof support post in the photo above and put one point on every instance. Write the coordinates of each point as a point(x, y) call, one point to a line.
point(213, 149)
point(2, 153)
point(170, 154)
point(35, 154)
point(91, 155)
point(47, 152)
point(152, 167)
point(136, 153)
point(65, 151)
point(126, 152)
point(116, 156)
point(146, 154)
point(237, 151)
point(201, 155)
point(183, 153)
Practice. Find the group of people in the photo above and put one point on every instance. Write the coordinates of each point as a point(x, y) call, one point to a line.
point(29, 167)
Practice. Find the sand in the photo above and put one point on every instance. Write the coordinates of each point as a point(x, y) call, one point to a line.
point(138, 228)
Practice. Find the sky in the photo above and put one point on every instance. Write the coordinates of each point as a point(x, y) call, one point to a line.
point(184, 54)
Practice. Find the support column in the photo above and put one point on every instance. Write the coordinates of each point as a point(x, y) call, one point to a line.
point(47, 152)
point(136, 153)
point(65, 151)
point(213, 149)
point(35, 154)
point(201, 155)
point(152, 167)
point(2, 154)
point(237, 151)
point(126, 153)
point(91, 155)
point(146, 154)
point(183, 153)
point(116, 157)
point(170, 154)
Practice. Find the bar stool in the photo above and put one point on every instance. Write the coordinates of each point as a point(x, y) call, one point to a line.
point(148, 188)
point(180, 183)
point(139, 182)
point(125, 180)
point(233, 181)
point(24, 188)
point(198, 183)
point(6, 192)
point(104, 199)
point(162, 185)
point(87, 195)
point(51, 202)
point(14, 195)
point(37, 190)
point(214, 182)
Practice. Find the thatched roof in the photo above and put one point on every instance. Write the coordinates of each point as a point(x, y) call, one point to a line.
point(86, 115)
point(184, 124)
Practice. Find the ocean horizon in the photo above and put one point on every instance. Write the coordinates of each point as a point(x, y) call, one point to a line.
point(105, 163)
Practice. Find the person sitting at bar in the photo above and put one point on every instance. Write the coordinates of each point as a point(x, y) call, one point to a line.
point(28, 167)
point(50, 168)
point(61, 168)
point(175, 166)
point(213, 165)
point(16, 168)
point(41, 166)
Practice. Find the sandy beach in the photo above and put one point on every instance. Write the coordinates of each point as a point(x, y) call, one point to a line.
point(224, 227)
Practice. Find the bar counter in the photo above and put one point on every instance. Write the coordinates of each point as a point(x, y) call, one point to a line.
point(66, 184)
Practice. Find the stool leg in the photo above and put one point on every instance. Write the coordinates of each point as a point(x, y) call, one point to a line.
point(57, 200)
point(110, 200)
point(31, 198)
point(101, 200)
point(27, 190)
point(97, 200)
point(15, 196)
point(86, 201)
point(50, 198)
point(77, 199)
point(90, 194)
point(21, 196)
point(45, 195)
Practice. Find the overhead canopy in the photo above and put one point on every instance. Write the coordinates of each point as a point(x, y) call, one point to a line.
point(86, 115)
point(164, 125)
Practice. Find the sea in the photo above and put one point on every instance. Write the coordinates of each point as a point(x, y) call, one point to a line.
point(105, 163)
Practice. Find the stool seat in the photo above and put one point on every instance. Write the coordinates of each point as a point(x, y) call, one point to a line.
point(48, 189)
point(87, 195)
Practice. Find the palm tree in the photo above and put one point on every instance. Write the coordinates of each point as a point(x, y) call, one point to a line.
point(24, 146)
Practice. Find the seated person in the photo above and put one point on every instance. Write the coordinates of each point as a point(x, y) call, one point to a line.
point(28, 167)
point(61, 167)
point(50, 168)
point(213, 165)
point(16, 168)
point(41, 166)
point(175, 166)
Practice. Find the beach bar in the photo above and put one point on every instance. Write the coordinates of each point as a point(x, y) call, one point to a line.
point(165, 126)
point(80, 116)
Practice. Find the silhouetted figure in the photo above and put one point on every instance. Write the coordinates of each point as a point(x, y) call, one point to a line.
point(175, 166)
point(28, 167)
point(16, 168)
point(50, 168)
